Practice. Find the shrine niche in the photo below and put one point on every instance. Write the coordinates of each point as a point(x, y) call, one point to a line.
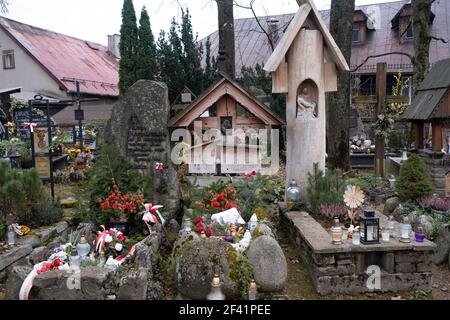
point(307, 100)
point(304, 65)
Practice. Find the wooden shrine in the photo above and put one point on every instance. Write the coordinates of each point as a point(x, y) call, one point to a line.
point(431, 105)
point(212, 121)
point(304, 65)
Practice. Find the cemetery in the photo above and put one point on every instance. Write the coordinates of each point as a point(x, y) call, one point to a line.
point(211, 188)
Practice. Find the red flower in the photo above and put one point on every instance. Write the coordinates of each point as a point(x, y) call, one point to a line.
point(125, 197)
point(121, 237)
point(56, 263)
point(115, 205)
point(199, 227)
point(128, 206)
point(220, 197)
point(112, 197)
point(208, 232)
point(229, 205)
point(198, 220)
point(215, 204)
point(105, 205)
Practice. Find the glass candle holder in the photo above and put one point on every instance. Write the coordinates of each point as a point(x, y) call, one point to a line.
point(385, 235)
point(356, 238)
point(75, 262)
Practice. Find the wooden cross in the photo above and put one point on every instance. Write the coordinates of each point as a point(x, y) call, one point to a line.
point(381, 100)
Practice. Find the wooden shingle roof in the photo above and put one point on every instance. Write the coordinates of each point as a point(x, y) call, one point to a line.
point(430, 94)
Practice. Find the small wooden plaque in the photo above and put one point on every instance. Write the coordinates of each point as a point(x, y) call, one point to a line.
point(43, 166)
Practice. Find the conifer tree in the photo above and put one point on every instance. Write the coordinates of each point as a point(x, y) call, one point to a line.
point(210, 73)
point(414, 181)
point(191, 57)
point(146, 53)
point(128, 47)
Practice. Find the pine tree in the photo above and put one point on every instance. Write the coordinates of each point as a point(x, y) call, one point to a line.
point(176, 70)
point(210, 73)
point(191, 57)
point(146, 53)
point(128, 47)
point(414, 181)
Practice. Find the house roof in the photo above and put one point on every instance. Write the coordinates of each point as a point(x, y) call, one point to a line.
point(67, 59)
point(294, 28)
point(252, 46)
point(217, 91)
point(430, 94)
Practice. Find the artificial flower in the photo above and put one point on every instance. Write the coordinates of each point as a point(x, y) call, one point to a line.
point(229, 205)
point(108, 238)
point(220, 197)
point(198, 220)
point(215, 204)
point(118, 247)
point(208, 232)
point(354, 197)
point(105, 205)
point(159, 166)
point(115, 205)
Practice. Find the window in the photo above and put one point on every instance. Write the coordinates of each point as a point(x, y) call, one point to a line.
point(409, 31)
point(212, 112)
point(356, 33)
point(241, 111)
point(8, 59)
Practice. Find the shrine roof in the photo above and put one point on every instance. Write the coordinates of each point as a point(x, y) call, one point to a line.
point(294, 28)
point(225, 85)
point(430, 94)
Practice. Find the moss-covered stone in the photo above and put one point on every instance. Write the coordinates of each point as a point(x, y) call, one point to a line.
point(199, 260)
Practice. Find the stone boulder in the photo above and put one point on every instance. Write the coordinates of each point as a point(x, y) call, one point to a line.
point(443, 245)
point(263, 229)
point(134, 285)
point(89, 284)
point(16, 277)
point(198, 261)
point(269, 264)
point(390, 206)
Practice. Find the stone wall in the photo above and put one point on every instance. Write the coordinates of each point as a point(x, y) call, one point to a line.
point(342, 269)
point(138, 279)
point(439, 166)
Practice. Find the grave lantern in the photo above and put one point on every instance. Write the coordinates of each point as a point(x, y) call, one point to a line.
point(405, 230)
point(370, 227)
point(292, 193)
point(336, 232)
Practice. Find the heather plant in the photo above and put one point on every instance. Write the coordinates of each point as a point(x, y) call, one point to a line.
point(331, 211)
point(435, 203)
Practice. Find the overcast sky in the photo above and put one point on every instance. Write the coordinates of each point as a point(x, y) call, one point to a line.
point(94, 19)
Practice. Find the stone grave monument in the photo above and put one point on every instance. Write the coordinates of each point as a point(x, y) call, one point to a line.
point(138, 128)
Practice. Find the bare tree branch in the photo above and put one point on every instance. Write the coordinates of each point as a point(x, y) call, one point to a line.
point(382, 55)
point(250, 7)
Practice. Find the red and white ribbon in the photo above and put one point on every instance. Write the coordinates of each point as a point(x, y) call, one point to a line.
point(100, 242)
point(149, 215)
point(30, 125)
